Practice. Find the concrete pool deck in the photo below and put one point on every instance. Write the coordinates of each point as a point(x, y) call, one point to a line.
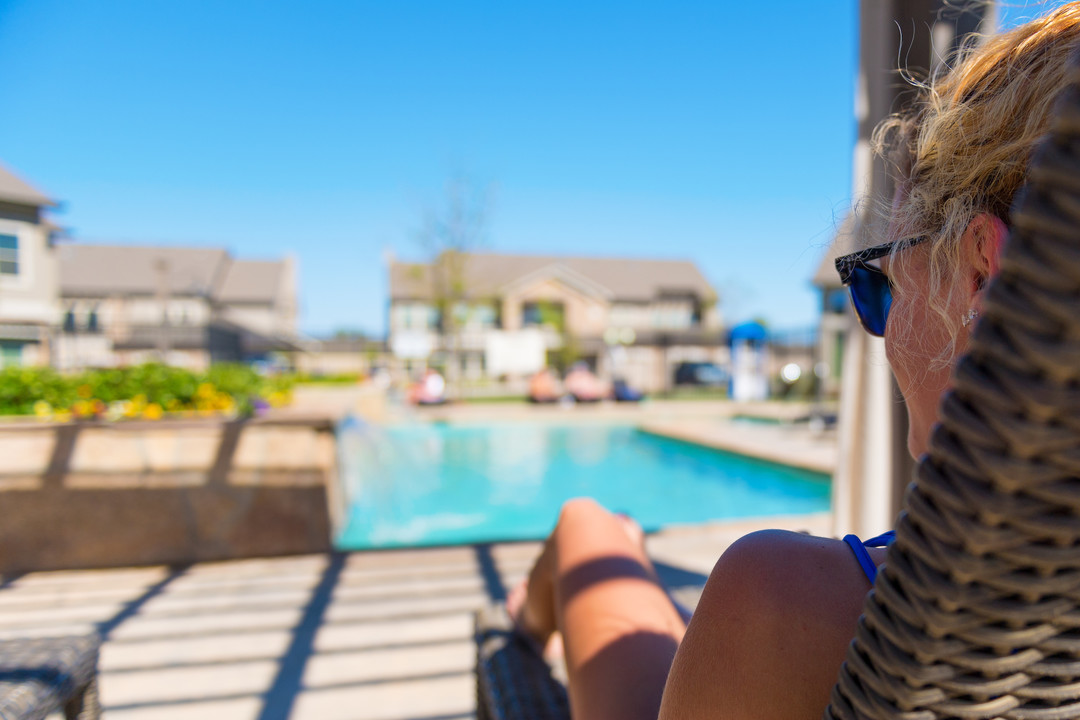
point(787, 444)
point(365, 635)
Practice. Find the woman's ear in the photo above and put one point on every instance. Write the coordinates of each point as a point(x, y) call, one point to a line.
point(983, 241)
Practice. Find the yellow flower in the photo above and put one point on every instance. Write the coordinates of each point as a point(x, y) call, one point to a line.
point(205, 390)
point(62, 416)
point(42, 409)
point(153, 412)
point(277, 399)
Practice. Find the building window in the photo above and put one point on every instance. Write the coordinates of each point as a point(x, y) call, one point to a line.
point(92, 321)
point(10, 353)
point(9, 255)
point(69, 321)
point(551, 314)
point(485, 316)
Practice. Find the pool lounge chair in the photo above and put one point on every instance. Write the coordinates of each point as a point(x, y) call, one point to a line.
point(512, 681)
point(977, 612)
point(40, 676)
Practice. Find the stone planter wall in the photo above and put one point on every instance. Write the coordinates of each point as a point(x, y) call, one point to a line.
point(82, 495)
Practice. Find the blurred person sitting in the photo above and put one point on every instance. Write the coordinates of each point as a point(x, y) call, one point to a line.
point(622, 392)
point(583, 385)
point(544, 387)
point(431, 390)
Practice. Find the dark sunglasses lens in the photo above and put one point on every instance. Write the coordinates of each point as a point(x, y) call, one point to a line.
point(872, 297)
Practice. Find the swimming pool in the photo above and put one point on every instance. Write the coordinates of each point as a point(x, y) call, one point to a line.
point(438, 484)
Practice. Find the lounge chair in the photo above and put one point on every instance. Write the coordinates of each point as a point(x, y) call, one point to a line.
point(977, 612)
point(512, 681)
point(39, 676)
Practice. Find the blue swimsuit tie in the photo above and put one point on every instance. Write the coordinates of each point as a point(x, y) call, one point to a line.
point(859, 548)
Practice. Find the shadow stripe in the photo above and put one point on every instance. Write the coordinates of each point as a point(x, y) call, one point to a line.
point(287, 683)
point(412, 645)
point(106, 627)
point(490, 572)
point(254, 630)
point(179, 702)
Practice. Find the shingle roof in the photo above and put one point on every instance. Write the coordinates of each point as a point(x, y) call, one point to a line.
point(14, 189)
point(486, 275)
point(103, 270)
point(251, 281)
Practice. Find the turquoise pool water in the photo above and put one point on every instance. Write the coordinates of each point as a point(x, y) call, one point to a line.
point(446, 484)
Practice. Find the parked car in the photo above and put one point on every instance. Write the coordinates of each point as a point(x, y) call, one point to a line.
point(706, 374)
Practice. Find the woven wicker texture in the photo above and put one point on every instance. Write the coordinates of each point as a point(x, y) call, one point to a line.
point(39, 676)
point(512, 681)
point(977, 612)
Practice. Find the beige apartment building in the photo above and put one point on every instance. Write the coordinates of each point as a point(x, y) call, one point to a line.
point(837, 319)
point(124, 305)
point(512, 314)
point(74, 305)
point(28, 273)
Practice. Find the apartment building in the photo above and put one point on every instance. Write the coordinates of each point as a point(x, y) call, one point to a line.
point(28, 273)
point(123, 305)
point(505, 316)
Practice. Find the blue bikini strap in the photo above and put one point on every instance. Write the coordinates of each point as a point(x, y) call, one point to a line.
point(857, 547)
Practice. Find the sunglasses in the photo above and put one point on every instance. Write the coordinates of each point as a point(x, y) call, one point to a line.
point(871, 291)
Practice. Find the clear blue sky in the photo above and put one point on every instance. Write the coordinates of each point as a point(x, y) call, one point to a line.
point(716, 132)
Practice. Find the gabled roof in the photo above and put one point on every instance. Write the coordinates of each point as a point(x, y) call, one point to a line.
point(104, 270)
point(622, 279)
point(107, 270)
point(14, 189)
point(254, 281)
point(559, 271)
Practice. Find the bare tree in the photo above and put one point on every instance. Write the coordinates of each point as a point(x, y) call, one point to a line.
point(451, 231)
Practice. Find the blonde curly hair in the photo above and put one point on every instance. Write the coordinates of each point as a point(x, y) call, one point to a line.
point(964, 146)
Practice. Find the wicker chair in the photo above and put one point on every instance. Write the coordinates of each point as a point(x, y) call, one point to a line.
point(977, 612)
point(512, 681)
point(39, 676)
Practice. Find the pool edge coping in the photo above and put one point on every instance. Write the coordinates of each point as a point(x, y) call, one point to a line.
point(710, 440)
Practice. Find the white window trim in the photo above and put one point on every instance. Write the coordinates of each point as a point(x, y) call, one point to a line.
point(25, 232)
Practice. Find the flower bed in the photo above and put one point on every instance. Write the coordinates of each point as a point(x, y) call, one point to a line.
point(144, 391)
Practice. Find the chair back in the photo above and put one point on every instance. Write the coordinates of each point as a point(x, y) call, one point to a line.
point(977, 611)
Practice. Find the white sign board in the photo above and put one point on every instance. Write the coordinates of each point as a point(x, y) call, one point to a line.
point(412, 344)
point(514, 352)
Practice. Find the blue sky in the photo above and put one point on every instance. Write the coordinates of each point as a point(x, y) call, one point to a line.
point(715, 132)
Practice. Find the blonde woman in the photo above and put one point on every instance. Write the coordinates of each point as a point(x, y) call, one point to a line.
point(770, 632)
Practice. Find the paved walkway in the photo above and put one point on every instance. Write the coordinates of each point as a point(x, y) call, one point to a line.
point(372, 636)
point(787, 444)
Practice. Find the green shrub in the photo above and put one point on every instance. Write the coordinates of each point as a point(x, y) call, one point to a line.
point(143, 390)
point(21, 388)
